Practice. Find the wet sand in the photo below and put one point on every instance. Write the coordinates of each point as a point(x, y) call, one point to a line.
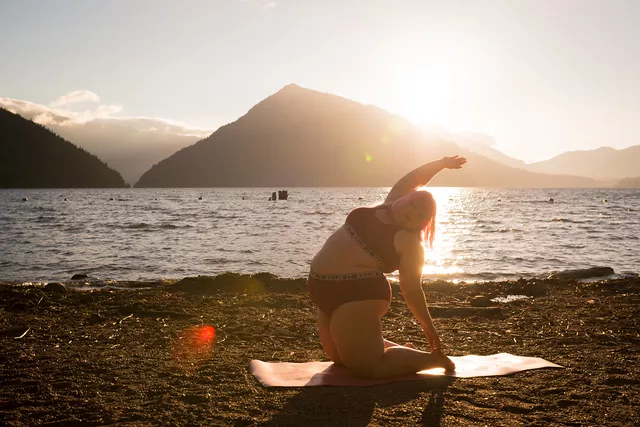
point(130, 356)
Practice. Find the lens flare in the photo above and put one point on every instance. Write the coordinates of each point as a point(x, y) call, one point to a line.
point(206, 334)
point(396, 126)
point(194, 346)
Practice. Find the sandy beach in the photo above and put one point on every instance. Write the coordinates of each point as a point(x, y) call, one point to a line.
point(127, 356)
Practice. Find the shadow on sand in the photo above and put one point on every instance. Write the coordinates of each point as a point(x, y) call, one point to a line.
point(354, 406)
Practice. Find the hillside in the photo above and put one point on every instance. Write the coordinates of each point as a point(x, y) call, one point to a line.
point(129, 145)
point(300, 137)
point(125, 148)
point(602, 163)
point(483, 145)
point(483, 172)
point(629, 183)
point(31, 156)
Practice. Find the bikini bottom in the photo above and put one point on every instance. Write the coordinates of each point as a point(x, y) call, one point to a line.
point(329, 291)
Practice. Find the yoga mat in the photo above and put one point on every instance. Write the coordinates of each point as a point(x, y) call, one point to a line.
point(309, 374)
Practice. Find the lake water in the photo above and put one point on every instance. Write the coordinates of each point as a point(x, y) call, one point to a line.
point(147, 234)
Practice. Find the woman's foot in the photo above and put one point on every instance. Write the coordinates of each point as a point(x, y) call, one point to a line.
point(444, 361)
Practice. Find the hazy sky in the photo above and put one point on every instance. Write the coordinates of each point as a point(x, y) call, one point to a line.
point(539, 76)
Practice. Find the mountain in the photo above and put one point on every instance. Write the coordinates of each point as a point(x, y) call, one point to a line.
point(602, 163)
point(32, 156)
point(483, 172)
point(300, 137)
point(629, 183)
point(481, 144)
point(128, 147)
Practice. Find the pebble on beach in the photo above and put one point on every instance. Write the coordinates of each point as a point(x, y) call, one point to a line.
point(480, 301)
point(55, 287)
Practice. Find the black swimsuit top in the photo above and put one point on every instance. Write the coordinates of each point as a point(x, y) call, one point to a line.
point(374, 236)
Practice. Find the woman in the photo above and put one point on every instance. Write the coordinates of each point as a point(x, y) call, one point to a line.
point(348, 284)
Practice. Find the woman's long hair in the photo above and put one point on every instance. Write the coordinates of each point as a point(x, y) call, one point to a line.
point(427, 203)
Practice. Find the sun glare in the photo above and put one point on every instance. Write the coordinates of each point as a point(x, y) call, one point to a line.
point(427, 89)
point(442, 259)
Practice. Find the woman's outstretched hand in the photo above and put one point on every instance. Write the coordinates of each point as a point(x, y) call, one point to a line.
point(454, 162)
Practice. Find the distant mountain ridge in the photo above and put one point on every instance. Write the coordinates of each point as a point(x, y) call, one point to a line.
point(32, 156)
point(604, 163)
point(629, 183)
point(301, 137)
point(483, 145)
point(125, 149)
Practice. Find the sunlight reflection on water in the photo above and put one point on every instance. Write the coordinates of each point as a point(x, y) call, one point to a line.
point(441, 260)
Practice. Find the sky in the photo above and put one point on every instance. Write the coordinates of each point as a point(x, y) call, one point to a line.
point(535, 77)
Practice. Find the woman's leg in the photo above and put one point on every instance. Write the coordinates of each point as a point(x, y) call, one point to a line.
point(356, 332)
point(388, 344)
point(325, 338)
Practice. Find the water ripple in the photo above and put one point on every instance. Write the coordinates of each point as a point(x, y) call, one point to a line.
point(482, 234)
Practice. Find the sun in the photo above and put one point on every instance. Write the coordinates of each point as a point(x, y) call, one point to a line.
point(427, 90)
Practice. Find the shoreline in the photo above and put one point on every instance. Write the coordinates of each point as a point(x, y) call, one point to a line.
point(117, 356)
point(87, 282)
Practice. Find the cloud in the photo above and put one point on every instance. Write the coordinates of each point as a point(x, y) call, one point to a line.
point(17, 106)
point(74, 97)
point(104, 113)
point(61, 114)
point(130, 145)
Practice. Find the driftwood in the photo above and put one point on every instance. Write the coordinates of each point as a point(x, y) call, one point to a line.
point(16, 331)
point(23, 335)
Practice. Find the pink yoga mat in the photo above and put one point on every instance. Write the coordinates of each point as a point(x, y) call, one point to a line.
point(309, 374)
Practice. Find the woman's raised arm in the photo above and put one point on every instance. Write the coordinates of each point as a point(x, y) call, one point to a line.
point(422, 175)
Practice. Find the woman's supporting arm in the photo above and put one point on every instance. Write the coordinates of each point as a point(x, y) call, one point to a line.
point(422, 175)
point(411, 262)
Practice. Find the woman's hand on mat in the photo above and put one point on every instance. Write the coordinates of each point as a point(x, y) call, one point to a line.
point(454, 162)
point(432, 336)
point(445, 361)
